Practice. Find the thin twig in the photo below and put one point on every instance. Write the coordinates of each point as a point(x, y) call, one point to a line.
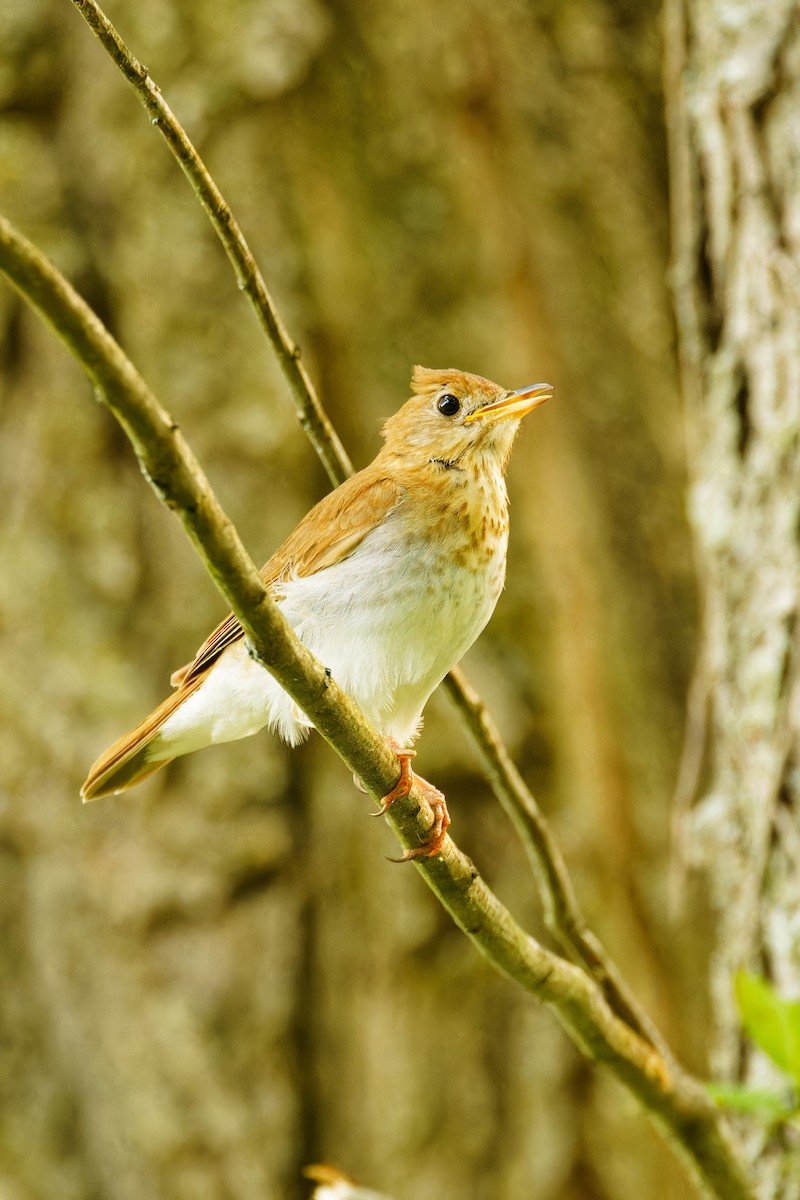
point(562, 913)
point(676, 1101)
point(311, 414)
point(565, 920)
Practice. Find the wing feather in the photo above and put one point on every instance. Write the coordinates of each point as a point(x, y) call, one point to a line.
point(328, 534)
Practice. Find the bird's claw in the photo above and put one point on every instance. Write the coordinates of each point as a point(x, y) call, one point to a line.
point(441, 817)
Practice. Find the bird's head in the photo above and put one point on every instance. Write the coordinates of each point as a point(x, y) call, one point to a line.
point(452, 416)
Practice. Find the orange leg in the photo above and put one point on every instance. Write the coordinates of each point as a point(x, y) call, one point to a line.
point(441, 817)
point(404, 783)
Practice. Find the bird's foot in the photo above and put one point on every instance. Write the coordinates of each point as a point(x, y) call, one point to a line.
point(441, 820)
point(403, 785)
point(441, 817)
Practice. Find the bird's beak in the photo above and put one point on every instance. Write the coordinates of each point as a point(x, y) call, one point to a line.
point(513, 404)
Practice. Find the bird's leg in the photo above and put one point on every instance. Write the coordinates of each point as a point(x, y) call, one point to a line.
point(407, 780)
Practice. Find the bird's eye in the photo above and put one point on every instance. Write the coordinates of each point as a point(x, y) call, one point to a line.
point(448, 404)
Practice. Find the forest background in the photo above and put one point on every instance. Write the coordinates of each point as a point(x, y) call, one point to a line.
point(210, 983)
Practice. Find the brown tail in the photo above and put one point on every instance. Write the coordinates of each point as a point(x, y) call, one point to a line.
point(126, 762)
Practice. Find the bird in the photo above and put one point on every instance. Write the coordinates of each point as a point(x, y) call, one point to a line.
point(388, 581)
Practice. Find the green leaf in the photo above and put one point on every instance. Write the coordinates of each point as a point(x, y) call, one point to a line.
point(772, 1023)
point(737, 1096)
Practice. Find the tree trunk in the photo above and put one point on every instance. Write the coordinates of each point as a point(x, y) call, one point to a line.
point(734, 93)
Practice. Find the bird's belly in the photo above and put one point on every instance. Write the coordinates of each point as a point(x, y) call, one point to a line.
point(389, 625)
point(389, 622)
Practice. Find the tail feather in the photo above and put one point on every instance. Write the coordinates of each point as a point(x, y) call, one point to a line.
point(130, 759)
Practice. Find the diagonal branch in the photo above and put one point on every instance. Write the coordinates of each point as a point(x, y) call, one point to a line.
point(564, 918)
point(676, 1101)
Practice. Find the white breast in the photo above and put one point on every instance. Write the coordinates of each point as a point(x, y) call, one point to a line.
point(391, 620)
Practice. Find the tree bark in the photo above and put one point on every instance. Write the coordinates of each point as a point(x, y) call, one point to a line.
point(734, 96)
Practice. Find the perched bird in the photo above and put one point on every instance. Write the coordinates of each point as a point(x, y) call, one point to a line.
point(388, 581)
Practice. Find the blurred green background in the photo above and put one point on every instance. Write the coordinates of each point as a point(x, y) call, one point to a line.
point(212, 981)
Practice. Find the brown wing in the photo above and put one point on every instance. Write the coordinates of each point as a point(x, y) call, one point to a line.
point(327, 534)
